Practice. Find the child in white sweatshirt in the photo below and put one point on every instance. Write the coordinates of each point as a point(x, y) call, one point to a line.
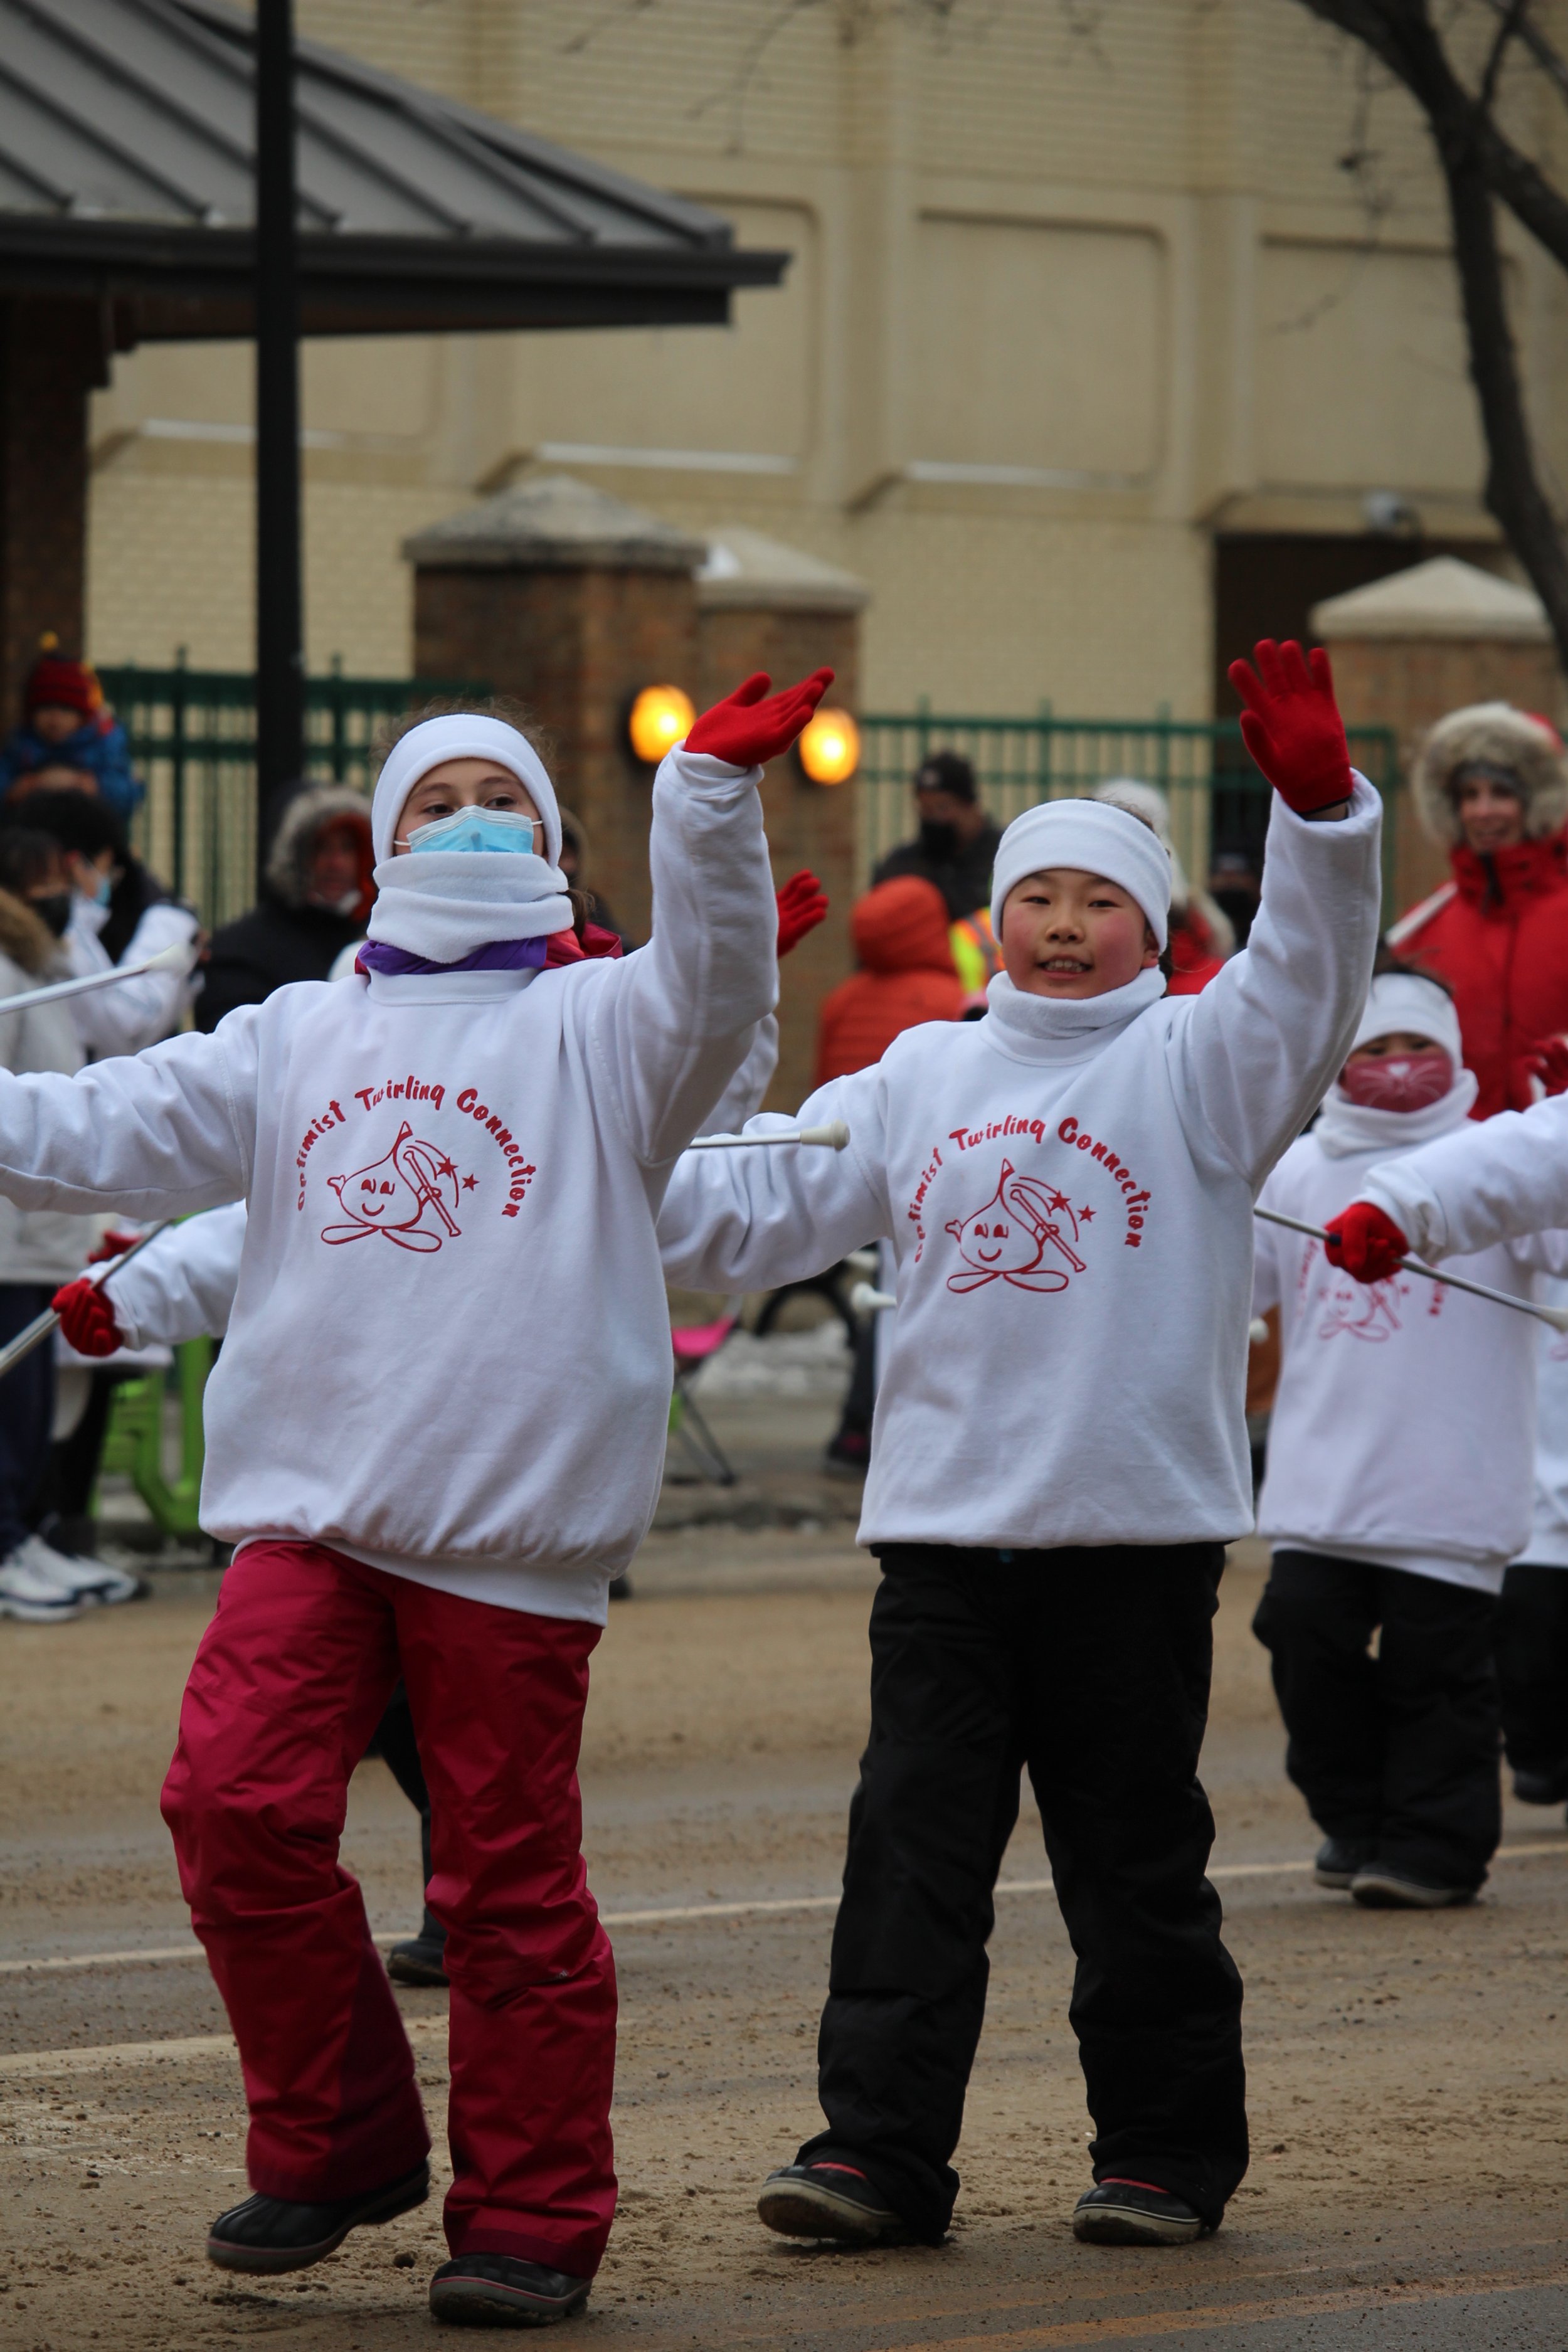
point(1059, 1458)
point(1532, 1615)
point(452, 1170)
point(1397, 1489)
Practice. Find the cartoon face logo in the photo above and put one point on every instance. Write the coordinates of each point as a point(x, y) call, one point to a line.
point(408, 1197)
point(1007, 1240)
point(1366, 1312)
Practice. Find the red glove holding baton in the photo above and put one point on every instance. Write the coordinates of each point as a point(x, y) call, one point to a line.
point(1291, 725)
point(1365, 1243)
point(87, 1318)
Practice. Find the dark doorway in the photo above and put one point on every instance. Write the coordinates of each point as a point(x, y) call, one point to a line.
point(1265, 585)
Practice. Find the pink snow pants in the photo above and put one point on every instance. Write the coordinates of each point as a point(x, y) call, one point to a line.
point(287, 1685)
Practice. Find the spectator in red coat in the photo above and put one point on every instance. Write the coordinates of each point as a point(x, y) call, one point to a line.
point(907, 975)
point(1491, 784)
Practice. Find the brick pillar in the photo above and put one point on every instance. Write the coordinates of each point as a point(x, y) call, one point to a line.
point(51, 356)
point(571, 600)
point(769, 608)
point(1426, 641)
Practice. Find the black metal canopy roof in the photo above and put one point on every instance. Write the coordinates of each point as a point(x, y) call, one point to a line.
point(127, 134)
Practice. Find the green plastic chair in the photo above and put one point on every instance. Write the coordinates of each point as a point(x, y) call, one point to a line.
point(133, 1446)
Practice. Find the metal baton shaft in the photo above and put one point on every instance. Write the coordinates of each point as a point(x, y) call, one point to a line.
point(834, 1136)
point(1556, 1316)
point(179, 957)
point(27, 1338)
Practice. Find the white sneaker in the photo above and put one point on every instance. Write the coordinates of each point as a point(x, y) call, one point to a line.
point(86, 1580)
point(35, 1597)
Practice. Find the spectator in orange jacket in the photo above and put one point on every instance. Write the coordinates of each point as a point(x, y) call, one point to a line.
point(907, 975)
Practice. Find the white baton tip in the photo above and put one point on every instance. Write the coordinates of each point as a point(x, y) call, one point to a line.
point(835, 1135)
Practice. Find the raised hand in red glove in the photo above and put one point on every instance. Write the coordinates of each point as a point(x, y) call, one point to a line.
point(803, 904)
point(1365, 1243)
point(1291, 724)
point(747, 730)
point(1549, 1063)
point(87, 1318)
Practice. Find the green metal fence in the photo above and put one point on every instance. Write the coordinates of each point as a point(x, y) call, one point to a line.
point(1218, 799)
point(193, 742)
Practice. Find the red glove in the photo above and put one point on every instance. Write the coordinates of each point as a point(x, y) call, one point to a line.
point(803, 904)
point(747, 731)
point(1365, 1243)
point(1549, 1063)
point(87, 1318)
point(1291, 724)
point(113, 1244)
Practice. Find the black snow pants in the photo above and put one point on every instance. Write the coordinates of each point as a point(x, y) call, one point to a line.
point(1090, 1669)
point(1399, 1751)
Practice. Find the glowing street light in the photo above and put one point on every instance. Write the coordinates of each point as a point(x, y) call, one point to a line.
point(661, 717)
point(829, 748)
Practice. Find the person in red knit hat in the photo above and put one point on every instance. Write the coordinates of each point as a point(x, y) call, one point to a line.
point(69, 736)
point(1491, 784)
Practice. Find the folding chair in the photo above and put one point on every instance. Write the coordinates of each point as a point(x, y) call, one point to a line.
point(694, 1344)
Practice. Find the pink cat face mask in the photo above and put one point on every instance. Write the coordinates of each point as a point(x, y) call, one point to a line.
point(1398, 1081)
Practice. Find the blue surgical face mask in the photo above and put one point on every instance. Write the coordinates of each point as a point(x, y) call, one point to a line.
point(478, 828)
point(104, 892)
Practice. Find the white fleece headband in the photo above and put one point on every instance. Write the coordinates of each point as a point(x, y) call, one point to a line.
point(1093, 837)
point(1403, 1001)
point(466, 735)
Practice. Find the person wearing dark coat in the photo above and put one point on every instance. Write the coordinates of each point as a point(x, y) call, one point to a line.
point(957, 841)
point(315, 901)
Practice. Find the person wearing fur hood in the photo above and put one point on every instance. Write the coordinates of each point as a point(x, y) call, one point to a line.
point(315, 900)
point(1492, 785)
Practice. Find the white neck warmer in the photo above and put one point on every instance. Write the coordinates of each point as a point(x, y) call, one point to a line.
point(1344, 1127)
point(1052, 1028)
point(447, 903)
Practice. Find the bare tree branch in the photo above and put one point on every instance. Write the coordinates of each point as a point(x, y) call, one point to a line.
point(1480, 166)
point(1551, 60)
point(1401, 34)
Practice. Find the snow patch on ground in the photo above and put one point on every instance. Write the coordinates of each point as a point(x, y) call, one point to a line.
point(787, 1364)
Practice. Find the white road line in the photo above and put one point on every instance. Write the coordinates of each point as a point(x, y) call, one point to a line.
point(675, 1913)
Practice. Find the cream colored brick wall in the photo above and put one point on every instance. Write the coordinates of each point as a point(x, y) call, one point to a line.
point(1126, 259)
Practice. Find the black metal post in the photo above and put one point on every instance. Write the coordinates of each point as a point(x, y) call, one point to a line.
point(280, 650)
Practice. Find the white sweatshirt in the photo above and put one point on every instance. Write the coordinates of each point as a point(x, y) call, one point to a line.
point(1547, 1543)
point(449, 1353)
point(135, 1013)
point(1493, 1179)
point(1068, 1190)
point(181, 1285)
point(1402, 1426)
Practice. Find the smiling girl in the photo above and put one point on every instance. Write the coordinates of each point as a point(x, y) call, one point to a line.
point(1058, 1458)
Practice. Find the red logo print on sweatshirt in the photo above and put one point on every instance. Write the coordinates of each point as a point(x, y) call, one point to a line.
point(1025, 1234)
point(408, 1197)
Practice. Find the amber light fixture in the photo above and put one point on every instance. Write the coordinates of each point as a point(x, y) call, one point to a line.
point(829, 748)
point(659, 718)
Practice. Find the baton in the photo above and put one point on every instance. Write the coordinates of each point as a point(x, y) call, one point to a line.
point(1556, 1316)
point(835, 1136)
point(179, 956)
point(42, 1325)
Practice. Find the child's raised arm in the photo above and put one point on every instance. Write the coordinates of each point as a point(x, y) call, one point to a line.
point(151, 1134)
point(676, 1019)
point(735, 1221)
point(1270, 1033)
